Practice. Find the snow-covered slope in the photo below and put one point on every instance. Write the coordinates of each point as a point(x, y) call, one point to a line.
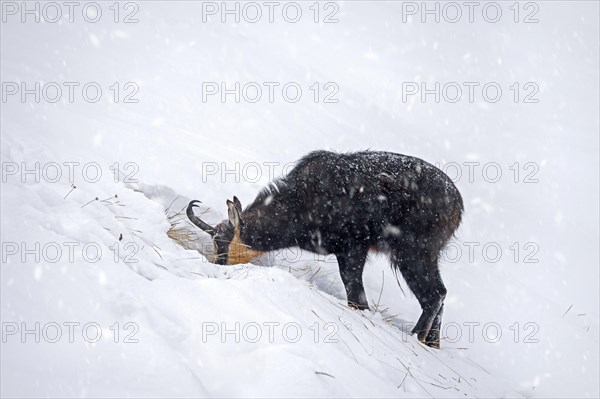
point(177, 314)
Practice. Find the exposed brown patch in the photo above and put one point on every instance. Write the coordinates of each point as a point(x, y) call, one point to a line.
point(240, 252)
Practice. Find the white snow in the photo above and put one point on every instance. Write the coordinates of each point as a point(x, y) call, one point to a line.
point(250, 330)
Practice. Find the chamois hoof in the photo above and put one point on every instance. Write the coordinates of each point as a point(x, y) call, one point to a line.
point(357, 306)
point(424, 338)
point(431, 344)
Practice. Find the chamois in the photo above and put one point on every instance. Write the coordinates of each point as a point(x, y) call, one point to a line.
point(347, 205)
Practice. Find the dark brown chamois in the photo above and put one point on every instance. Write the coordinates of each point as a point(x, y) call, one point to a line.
point(346, 205)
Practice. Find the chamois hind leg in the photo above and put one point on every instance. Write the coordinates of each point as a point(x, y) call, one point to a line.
point(433, 337)
point(421, 273)
point(351, 265)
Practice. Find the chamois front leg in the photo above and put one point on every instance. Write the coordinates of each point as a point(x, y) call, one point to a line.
point(351, 264)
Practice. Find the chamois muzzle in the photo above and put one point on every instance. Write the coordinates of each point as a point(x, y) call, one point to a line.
point(197, 221)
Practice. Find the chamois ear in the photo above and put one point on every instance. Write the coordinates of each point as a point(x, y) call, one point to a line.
point(234, 214)
point(237, 203)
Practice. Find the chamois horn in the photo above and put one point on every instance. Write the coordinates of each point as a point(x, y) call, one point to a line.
point(196, 220)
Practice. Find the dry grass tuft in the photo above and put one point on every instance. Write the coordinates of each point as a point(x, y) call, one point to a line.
point(183, 232)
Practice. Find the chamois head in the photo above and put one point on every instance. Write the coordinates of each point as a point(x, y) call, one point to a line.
point(228, 247)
